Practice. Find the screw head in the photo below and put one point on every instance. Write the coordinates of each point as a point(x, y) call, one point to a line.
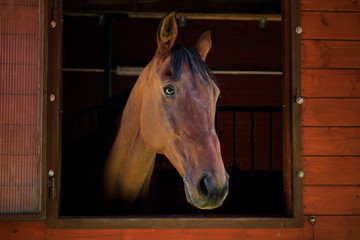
point(298, 30)
point(53, 24)
point(299, 100)
point(52, 97)
point(51, 173)
point(300, 174)
point(312, 220)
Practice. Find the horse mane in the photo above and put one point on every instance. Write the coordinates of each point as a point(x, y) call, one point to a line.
point(200, 70)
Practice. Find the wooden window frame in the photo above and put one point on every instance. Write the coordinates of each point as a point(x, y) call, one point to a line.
point(292, 145)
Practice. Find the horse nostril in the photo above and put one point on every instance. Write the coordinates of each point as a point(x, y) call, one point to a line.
point(203, 186)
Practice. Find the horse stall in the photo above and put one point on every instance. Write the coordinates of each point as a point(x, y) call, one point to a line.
point(287, 118)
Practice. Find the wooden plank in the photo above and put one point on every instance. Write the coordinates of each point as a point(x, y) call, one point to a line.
point(331, 200)
point(330, 25)
point(330, 54)
point(330, 82)
point(19, 139)
point(331, 141)
point(331, 170)
point(20, 199)
point(337, 227)
point(19, 170)
point(250, 90)
point(331, 112)
point(20, 2)
point(19, 79)
point(20, 49)
point(38, 230)
point(326, 228)
point(188, 234)
point(164, 6)
point(23, 230)
point(330, 5)
point(18, 109)
point(20, 19)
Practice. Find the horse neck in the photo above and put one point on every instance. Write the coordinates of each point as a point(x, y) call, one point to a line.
point(130, 162)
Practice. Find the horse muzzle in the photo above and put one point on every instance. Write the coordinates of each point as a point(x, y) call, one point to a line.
point(206, 193)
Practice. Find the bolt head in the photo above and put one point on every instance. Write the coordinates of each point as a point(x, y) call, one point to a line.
point(53, 24)
point(299, 100)
point(298, 30)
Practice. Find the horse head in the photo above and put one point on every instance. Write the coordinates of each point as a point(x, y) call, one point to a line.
point(171, 111)
point(178, 115)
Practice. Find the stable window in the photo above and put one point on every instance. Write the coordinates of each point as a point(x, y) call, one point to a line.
point(256, 62)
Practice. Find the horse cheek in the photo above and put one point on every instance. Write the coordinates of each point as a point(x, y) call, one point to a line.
point(151, 129)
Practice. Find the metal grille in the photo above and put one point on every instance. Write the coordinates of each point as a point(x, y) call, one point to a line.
point(258, 123)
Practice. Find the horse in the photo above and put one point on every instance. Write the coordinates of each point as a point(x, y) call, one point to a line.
point(170, 111)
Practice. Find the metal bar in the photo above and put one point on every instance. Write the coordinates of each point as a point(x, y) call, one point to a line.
point(135, 71)
point(92, 122)
point(193, 16)
point(253, 141)
point(237, 72)
point(234, 136)
point(248, 109)
point(271, 141)
point(107, 63)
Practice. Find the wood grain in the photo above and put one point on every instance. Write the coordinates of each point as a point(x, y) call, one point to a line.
point(38, 230)
point(331, 200)
point(330, 5)
point(330, 54)
point(337, 227)
point(250, 90)
point(330, 25)
point(331, 170)
point(326, 228)
point(21, 79)
point(19, 109)
point(19, 139)
point(330, 82)
point(329, 141)
point(331, 112)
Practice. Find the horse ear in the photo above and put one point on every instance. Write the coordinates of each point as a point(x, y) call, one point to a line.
point(167, 32)
point(203, 45)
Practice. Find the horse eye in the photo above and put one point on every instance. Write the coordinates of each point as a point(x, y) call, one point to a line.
point(169, 91)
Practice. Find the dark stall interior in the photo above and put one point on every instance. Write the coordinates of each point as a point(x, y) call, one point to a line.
point(246, 57)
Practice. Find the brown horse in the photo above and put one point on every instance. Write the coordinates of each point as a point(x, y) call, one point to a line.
point(171, 111)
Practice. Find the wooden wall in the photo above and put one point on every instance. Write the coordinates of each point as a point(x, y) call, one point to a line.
point(20, 108)
point(331, 140)
point(330, 60)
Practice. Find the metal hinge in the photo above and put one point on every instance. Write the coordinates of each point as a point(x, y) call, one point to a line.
point(54, 6)
point(52, 184)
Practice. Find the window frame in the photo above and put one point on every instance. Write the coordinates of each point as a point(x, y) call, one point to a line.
point(292, 145)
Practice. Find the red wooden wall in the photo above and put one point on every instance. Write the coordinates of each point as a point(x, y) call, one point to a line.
point(20, 108)
point(331, 139)
point(331, 113)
